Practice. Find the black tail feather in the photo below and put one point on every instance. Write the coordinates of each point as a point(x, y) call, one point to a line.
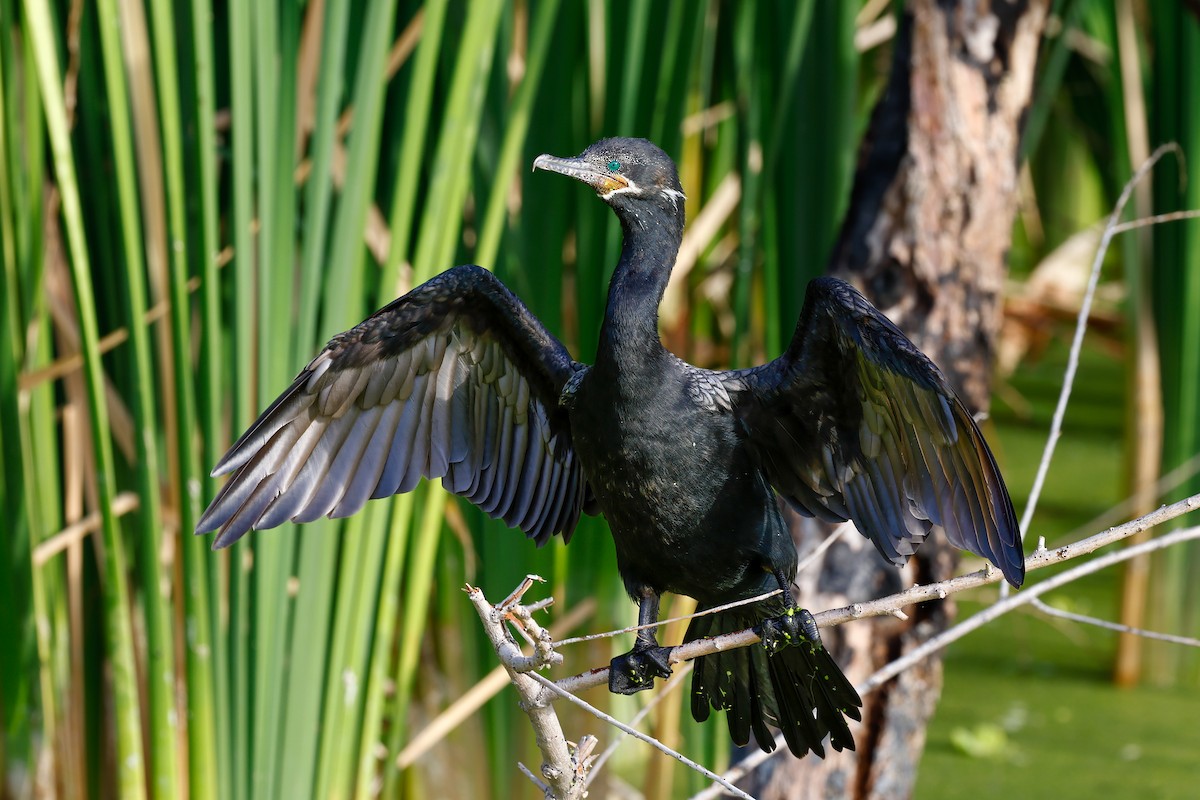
point(741, 712)
point(800, 689)
point(758, 687)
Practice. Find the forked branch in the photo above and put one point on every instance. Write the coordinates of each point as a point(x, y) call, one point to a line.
point(565, 768)
point(890, 605)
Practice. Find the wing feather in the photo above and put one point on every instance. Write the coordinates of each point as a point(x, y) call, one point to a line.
point(564, 497)
point(368, 460)
point(853, 421)
point(288, 504)
point(554, 496)
point(399, 450)
point(418, 453)
point(498, 474)
point(313, 473)
point(527, 486)
point(522, 474)
point(372, 462)
point(248, 500)
point(454, 381)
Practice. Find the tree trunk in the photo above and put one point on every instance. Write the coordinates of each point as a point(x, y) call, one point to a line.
point(925, 239)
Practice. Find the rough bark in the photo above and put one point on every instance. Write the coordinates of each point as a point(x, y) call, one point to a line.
point(926, 239)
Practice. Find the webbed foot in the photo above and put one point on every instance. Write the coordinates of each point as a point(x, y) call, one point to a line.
point(793, 627)
point(636, 670)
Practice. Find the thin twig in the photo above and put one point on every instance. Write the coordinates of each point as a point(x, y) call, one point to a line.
point(534, 779)
point(1080, 328)
point(1166, 483)
point(734, 773)
point(1051, 611)
point(661, 622)
point(551, 686)
point(584, 760)
point(1027, 595)
point(1157, 219)
point(670, 686)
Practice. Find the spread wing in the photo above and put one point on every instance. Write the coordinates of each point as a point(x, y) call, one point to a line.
point(456, 380)
point(853, 421)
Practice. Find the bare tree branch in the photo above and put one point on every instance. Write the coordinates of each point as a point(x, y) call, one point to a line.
point(565, 772)
point(663, 622)
point(918, 594)
point(1167, 483)
point(1157, 219)
point(998, 609)
point(486, 688)
point(1051, 611)
point(1060, 410)
point(650, 740)
point(673, 683)
point(1030, 593)
point(560, 769)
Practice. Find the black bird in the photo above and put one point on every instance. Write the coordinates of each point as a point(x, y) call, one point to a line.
point(457, 380)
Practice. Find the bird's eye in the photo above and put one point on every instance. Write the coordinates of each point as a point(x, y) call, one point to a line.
point(614, 166)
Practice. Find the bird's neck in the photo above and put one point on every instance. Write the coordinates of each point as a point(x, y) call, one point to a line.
point(651, 243)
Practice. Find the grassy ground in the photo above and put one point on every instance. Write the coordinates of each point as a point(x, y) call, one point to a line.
point(1028, 708)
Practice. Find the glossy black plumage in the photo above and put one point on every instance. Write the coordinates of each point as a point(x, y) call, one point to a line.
point(889, 445)
point(458, 381)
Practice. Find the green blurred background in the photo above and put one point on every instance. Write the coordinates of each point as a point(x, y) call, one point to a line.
point(195, 195)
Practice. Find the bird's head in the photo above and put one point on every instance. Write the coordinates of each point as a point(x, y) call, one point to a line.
point(622, 171)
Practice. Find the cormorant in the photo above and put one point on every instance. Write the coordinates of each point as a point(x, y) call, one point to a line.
point(457, 380)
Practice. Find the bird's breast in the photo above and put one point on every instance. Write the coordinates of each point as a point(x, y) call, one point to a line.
point(687, 509)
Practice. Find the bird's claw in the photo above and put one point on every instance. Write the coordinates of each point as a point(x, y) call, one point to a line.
point(636, 670)
point(793, 627)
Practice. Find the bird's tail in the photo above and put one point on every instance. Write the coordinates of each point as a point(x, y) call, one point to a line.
point(799, 689)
